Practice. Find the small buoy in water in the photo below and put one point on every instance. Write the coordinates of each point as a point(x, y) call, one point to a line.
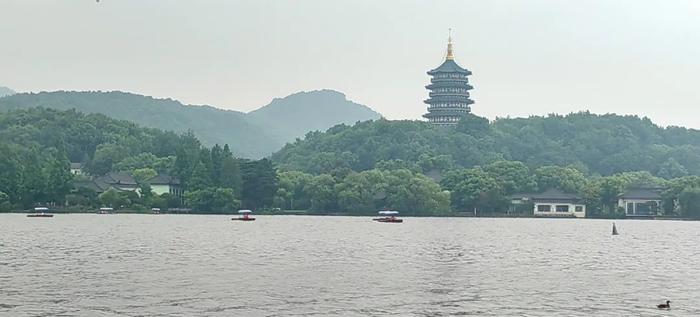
point(614, 230)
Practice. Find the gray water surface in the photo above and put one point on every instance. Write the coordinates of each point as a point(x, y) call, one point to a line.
point(170, 265)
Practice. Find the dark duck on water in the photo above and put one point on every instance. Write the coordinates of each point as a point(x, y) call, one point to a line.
point(664, 306)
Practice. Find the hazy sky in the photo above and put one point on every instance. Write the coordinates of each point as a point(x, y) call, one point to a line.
point(528, 57)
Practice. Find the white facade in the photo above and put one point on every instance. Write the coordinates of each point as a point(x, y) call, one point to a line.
point(639, 207)
point(160, 189)
point(551, 209)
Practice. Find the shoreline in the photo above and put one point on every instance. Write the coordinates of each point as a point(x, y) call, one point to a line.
point(301, 213)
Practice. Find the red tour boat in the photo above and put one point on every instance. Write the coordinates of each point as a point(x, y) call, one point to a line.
point(245, 215)
point(388, 216)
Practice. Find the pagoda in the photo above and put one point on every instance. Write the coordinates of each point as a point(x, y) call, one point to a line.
point(449, 92)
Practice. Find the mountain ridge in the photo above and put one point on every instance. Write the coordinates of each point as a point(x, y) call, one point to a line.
point(250, 136)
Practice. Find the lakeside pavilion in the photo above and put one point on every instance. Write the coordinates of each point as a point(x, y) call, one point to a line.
point(449, 91)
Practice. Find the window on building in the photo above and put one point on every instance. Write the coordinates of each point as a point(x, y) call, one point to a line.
point(578, 208)
point(562, 208)
point(544, 208)
point(630, 208)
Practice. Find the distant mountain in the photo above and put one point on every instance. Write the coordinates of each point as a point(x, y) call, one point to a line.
point(295, 115)
point(210, 124)
point(251, 135)
point(4, 91)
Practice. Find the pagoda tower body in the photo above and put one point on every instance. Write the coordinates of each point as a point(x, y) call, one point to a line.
point(449, 92)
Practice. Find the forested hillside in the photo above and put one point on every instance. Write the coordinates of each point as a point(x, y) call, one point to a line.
point(594, 144)
point(481, 164)
point(37, 145)
point(253, 135)
point(404, 165)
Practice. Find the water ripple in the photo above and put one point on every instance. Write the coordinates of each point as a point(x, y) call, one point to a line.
point(142, 265)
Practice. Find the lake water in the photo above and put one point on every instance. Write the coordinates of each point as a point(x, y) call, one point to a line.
point(178, 265)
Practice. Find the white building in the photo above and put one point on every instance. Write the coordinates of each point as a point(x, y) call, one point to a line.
point(76, 168)
point(640, 202)
point(551, 203)
point(163, 183)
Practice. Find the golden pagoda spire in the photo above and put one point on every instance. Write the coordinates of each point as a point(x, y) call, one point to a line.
point(450, 53)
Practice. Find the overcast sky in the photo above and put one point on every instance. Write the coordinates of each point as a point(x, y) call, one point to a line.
point(528, 57)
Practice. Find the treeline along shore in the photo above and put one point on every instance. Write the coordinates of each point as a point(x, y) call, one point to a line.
point(76, 162)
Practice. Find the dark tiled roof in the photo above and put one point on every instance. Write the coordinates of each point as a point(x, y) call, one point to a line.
point(97, 185)
point(520, 195)
point(555, 194)
point(642, 193)
point(449, 66)
point(76, 165)
point(550, 194)
point(163, 179)
point(89, 184)
point(118, 178)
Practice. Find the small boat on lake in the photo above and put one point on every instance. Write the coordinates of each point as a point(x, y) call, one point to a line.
point(388, 216)
point(105, 211)
point(245, 215)
point(40, 212)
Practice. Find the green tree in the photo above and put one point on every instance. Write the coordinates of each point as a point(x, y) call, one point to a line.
point(217, 157)
point(259, 184)
point(474, 190)
point(322, 193)
point(357, 192)
point(473, 125)
point(513, 176)
point(142, 175)
point(10, 172)
point(231, 176)
point(414, 194)
point(200, 178)
point(218, 200)
point(291, 193)
point(105, 157)
point(689, 200)
point(672, 169)
point(113, 198)
point(140, 161)
point(556, 177)
point(5, 204)
point(58, 177)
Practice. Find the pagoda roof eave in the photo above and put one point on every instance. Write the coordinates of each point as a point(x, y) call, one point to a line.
point(449, 66)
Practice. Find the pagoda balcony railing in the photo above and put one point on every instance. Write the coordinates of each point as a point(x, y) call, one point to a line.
point(448, 99)
point(434, 79)
point(464, 94)
point(455, 108)
point(459, 85)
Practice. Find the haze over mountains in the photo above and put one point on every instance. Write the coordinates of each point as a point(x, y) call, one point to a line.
point(251, 135)
point(4, 91)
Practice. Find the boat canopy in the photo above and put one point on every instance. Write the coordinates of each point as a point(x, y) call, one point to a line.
point(41, 209)
point(245, 211)
point(388, 212)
